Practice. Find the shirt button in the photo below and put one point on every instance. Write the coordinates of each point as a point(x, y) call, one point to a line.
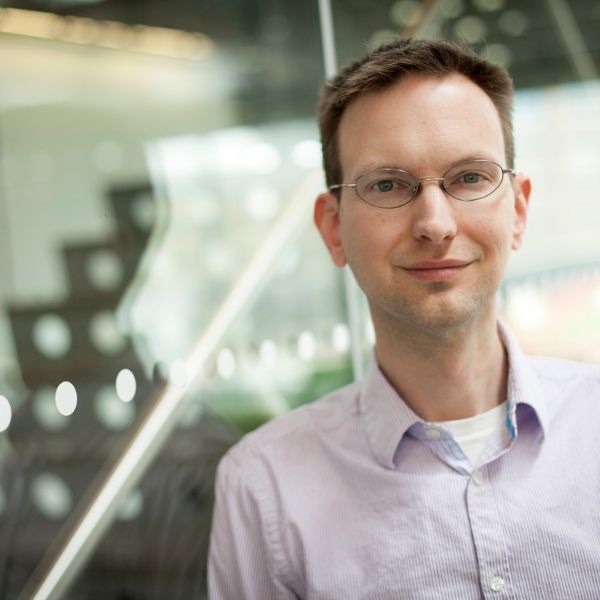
point(477, 478)
point(433, 434)
point(497, 584)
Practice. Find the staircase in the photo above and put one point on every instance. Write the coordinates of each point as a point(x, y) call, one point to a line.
point(157, 547)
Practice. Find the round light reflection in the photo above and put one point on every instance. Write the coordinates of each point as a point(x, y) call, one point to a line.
point(226, 363)
point(132, 506)
point(405, 12)
point(499, 54)
point(451, 9)
point(104, 270)
point(51, 495)
point(105, 333)
point(178, 373)
point(268, 353)
point(51, 336)
point(307, 345)
point(5, 413)
point(341, 338)
point(125, 385)
point(513, 22)
point(471, 29)
point(66, 398)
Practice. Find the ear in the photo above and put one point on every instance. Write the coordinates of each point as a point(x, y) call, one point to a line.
point(522, 187)
point(327, 219)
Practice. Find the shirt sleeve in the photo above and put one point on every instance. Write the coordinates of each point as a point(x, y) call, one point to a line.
point(240, 563)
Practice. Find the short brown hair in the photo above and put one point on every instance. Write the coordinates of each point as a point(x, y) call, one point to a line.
point(390, 63)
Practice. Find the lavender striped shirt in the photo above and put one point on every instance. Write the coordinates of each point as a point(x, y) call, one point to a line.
point(354, 497)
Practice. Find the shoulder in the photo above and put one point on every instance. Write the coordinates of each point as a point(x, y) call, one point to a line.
point(552, 371)
point(300, 430)
point(559, 370)
point(566, 383)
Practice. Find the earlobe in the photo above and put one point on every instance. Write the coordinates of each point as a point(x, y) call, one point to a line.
point(327, 220)
point(522, 187)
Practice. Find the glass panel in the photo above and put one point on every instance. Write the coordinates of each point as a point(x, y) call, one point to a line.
point(149, 151)
point(552, 291)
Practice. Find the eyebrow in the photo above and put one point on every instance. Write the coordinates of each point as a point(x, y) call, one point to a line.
point(370, 167)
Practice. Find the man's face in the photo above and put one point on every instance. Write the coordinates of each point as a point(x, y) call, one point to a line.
point(424, 125)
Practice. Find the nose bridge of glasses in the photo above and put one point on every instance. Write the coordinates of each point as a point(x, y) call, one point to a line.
point(418, 182)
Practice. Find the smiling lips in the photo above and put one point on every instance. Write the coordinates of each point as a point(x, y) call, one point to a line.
point(437, 270)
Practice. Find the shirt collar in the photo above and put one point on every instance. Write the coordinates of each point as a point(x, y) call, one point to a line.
point(387, 417)
point(523, 385)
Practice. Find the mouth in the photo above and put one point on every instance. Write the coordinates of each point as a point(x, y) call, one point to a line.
point(437, 270)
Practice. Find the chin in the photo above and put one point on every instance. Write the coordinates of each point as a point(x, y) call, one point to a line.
point(438, 312)
point(442, 320)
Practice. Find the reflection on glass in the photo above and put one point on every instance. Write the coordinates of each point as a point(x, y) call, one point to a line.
point(66, 398)
point(5, 413)
point(125, 385)
point(51, 495)
point(52, 336)
point(138, 181)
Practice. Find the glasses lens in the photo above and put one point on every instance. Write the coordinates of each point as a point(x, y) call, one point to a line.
point(473, 180)
point(386, 188)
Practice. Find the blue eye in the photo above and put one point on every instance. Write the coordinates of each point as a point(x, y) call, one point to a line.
point(471, 177)
point(385, 185)
point(386, 188)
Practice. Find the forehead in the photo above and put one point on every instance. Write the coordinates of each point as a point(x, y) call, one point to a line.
point(420, 122)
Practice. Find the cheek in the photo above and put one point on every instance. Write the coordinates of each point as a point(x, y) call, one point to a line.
point(366, 236)
point(358, 247)
point(493, 230)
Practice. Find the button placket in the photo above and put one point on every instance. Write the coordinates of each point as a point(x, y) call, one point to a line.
point(488, 537)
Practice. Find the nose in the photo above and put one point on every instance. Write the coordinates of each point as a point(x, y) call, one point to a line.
point(433, 215)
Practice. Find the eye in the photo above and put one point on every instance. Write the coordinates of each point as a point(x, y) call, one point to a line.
point(386, 188)
point(473, 180)
point(385, 185)
point(474, 174)
point(472, 177)
point(389, 185)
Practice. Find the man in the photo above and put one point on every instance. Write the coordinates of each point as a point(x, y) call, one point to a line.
point(459, 468)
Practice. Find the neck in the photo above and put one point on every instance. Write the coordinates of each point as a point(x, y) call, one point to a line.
point(448, 375)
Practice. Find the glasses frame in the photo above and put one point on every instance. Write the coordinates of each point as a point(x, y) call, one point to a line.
point(417, 187)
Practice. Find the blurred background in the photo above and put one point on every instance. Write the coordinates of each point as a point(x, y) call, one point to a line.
point(148, 151)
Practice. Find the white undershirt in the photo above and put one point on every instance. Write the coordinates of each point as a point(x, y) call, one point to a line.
point(472, 433)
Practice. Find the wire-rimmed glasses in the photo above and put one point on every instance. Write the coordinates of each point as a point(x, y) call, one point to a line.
point(391, 188)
